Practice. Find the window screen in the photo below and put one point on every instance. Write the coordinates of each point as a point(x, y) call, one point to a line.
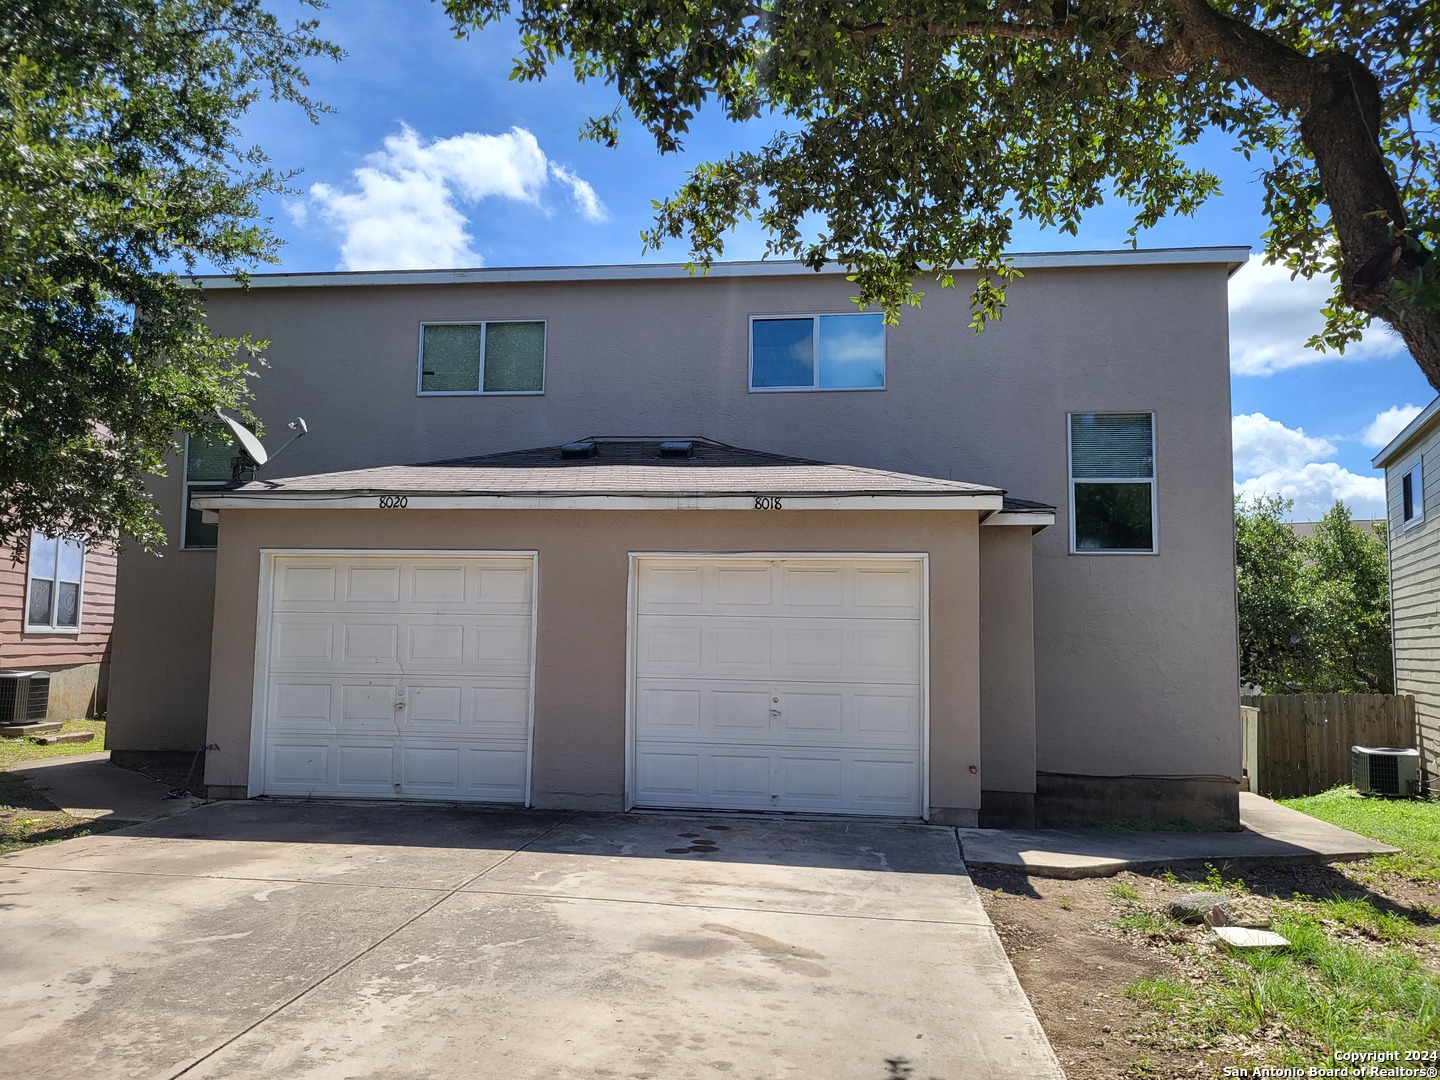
point(483, 357)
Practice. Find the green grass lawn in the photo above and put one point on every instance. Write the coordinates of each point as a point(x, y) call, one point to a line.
point(1326, 996)
point(19, 751)
point(1361, 969)
point(1410, 824)
point(26, 816)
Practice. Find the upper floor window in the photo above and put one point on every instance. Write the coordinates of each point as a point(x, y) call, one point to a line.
point(817, 352)
point(482, 358)
point(56, 575)
point(209, 463)
point(1112, 482)
point(1412, 497)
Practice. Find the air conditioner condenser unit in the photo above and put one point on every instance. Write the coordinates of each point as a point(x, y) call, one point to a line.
point(1385, 770)
point(24, 697)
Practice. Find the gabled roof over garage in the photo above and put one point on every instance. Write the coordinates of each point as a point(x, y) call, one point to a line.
point(624, 474)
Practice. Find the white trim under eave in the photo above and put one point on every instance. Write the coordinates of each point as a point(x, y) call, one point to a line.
point(1033, 518)
point(321, 501)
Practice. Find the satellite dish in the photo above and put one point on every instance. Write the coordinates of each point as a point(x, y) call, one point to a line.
point(247, 440)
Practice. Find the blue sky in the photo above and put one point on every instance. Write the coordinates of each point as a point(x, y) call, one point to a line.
point(434, 157)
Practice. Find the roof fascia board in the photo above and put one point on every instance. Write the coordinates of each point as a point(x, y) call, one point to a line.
point(323, 501)
point(1232, 257)
point(1401, 443)
point(1041, 518)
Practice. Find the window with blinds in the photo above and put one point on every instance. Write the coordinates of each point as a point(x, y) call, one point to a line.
point(482, 358)
point(1112, 483)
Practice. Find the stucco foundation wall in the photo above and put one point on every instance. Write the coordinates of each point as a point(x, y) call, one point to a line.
point(579, 755)
point(160, 651)
point(77, 690)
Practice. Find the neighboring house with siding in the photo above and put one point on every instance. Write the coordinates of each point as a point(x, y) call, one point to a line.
point(57, 605)
point(1412, 500)
point(613, 537)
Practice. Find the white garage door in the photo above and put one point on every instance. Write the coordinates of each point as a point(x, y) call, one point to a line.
point(399, 677)
point(779, 684)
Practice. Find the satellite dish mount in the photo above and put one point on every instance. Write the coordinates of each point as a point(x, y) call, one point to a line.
point(253, 454)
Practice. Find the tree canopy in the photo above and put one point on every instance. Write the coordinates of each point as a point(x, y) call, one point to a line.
point(121, 168)
point(1314, 610)
point(917, 134)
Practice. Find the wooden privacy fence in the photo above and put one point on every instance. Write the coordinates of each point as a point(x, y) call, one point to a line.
point(1299, 744)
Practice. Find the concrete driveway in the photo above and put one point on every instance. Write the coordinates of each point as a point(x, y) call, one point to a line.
point(336, 941)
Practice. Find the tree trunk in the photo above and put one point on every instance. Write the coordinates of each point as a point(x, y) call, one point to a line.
point(1338, 102)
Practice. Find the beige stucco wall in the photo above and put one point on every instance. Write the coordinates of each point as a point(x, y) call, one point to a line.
point(1007, 659)
point(1135, 654)
point(160, 650)
point(579, 758)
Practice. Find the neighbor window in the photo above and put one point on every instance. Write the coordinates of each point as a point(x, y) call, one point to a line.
point(818, 352)
point(1112, 482)
point(209, 463)
point(482, 358)
point(57, 568)
point(1412, 496)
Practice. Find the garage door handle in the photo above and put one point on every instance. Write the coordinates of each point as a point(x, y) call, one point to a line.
point(774, 712)
point(399, 704)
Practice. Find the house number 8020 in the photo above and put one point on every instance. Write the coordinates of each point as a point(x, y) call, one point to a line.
point(767, 502)
point(393, 502)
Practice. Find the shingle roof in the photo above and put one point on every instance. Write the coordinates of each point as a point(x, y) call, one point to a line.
point(620, 466)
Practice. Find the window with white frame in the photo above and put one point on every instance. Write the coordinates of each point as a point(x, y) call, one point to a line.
point(482, 358)
point(817, 352)
point(1412, 497)
point(56, 579)
point(209, 463)
point(1112, 482)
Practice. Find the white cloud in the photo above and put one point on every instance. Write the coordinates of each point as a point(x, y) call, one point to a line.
point(407, 207)
point(1272, 459)
point(586, 201)
point(1271, 317)
point(1260, 445)
point(1388, 424)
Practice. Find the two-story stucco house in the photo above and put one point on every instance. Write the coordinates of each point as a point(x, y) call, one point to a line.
point(1411, 462)
point(614, 537)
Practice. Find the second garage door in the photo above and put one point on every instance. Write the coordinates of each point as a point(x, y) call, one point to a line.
point(398, 676)
point(769, 683)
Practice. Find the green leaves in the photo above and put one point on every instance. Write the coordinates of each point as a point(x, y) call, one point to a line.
point(918, 134)
point(119, 169)
point(1314, 611)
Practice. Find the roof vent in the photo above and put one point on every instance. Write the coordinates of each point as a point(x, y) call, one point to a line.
point(584, 449)
point(676, 448)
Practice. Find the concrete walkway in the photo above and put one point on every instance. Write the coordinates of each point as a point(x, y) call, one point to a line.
point(315, 941)
point(87, 786)
point(1271, 831)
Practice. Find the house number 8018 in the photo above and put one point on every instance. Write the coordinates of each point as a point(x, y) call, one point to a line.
point(767, 502)
point(393, 502)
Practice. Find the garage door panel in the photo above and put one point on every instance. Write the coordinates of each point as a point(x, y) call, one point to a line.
point(717, 710)
point(501, 586)
point(373, 642)
point(400, 677)
point(779, 587)
point(779, 649)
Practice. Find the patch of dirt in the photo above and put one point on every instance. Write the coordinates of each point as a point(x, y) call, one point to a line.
point(1075, 963)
